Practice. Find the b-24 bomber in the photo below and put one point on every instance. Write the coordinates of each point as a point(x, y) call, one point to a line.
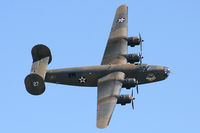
point(118, 70)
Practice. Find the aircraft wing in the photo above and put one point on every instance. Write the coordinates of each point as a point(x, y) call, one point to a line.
point(109, 88)
point(116, 45)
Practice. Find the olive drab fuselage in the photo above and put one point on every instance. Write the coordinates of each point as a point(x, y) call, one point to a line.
point(88, 76)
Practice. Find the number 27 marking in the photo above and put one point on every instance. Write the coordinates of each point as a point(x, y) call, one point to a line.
point(35, 83)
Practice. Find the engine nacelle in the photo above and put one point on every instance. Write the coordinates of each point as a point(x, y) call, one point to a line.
point(129, 82)
point(124, 99)
point(133, 41)
point(132, 58)
point(34, 82)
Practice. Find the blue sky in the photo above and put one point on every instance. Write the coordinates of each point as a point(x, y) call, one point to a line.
point(76, 31)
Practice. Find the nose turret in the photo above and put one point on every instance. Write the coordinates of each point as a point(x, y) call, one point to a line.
point(159, 72)
point(166, 71)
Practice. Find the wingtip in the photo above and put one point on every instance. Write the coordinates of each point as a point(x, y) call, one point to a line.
point(100, 126)
point(123, 6)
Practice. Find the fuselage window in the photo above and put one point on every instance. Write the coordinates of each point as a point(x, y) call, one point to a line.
point(71, 75)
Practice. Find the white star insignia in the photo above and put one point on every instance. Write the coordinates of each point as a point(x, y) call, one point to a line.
point(121, 20)
point(82, 79)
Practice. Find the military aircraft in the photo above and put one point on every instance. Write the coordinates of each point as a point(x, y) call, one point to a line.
point(118, 70)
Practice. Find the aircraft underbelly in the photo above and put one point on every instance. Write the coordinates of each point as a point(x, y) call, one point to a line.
point(86, 76)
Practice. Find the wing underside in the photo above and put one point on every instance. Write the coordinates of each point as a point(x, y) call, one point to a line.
point(108, 89)
point(110, 85)
point(117, 45)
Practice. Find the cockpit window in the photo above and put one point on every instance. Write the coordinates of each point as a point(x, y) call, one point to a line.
point(147, 67)
point(150, 75)
point(143, 68)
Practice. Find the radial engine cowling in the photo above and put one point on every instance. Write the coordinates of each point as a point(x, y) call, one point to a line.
point(129, 82)
point(124, 99)
point(132, 58)
point(133, 41)
point(34, 82)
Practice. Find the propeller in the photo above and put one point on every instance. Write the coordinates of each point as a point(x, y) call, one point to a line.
point(141, 57)
point(133, 98)
point(136, 85)
point(140, 38)
point(137, 89)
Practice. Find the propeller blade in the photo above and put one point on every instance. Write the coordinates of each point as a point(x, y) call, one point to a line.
point(132, 105)
point(140, 42)
point(137, 89)
point(132, 99)
point(141, 58)
point(132, 93)
point(140, 48)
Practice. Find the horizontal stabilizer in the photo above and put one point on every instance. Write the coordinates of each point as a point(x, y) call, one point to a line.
point(34, 82)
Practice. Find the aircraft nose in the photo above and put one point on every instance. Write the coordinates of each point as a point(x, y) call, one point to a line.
point(166, 71)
